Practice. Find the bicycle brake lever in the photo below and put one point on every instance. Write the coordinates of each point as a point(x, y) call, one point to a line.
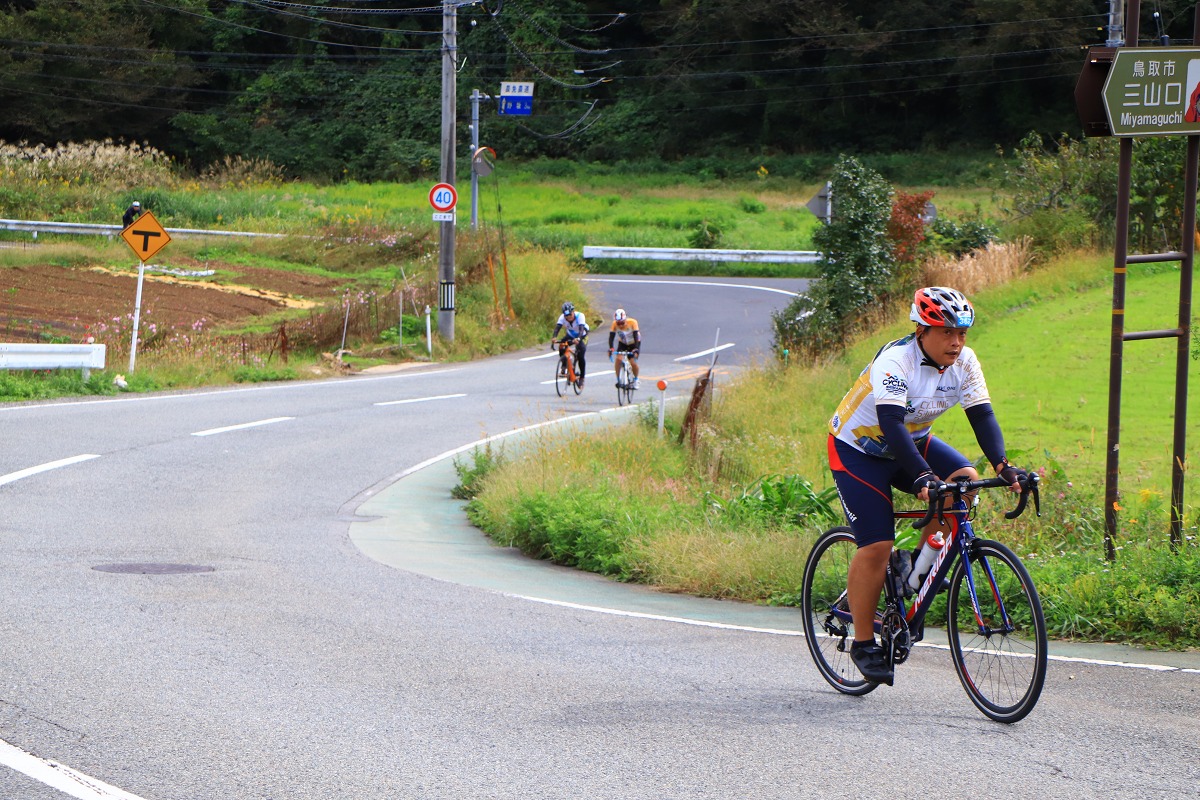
point(1028, 486)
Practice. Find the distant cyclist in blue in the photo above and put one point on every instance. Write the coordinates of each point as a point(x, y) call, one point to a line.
point(574, 328)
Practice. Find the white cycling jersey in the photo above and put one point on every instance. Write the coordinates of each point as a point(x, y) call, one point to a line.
point(900, 375)
point(577, 329)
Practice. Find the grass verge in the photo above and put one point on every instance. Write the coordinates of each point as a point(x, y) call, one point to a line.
point(691, 520)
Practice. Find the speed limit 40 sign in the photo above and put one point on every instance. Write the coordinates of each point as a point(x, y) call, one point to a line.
point(443, 197)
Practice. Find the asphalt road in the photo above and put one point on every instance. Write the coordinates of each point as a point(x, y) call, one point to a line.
point(305, 661)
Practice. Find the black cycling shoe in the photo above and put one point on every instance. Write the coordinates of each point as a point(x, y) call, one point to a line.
point(871, 661)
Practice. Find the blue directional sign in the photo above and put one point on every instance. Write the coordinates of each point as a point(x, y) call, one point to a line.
point(516, 97)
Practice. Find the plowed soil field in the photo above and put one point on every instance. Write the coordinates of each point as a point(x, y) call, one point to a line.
point(36, 301)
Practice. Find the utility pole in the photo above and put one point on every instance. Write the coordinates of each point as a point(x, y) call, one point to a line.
point(476, 96)
point(446, 235)
point(1116, 29)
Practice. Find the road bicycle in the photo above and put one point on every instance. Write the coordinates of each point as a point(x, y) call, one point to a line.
point(625, 379)
point(993, 615)
point(564, 372)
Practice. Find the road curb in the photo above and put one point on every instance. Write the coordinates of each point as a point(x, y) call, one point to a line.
point(413, 523)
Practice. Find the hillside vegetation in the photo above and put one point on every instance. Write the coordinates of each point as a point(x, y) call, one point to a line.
point(337, 91)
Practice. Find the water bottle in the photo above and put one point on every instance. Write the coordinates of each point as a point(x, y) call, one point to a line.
point(933, 543)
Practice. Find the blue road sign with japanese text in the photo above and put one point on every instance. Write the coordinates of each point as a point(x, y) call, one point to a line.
point(516, 97)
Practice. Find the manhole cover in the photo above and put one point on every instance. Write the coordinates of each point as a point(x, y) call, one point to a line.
point(153, 569)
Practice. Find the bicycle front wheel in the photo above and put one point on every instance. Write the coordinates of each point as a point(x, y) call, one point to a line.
point(999, 652)
point(623, 380)
point(828, 630)
point(560, 377)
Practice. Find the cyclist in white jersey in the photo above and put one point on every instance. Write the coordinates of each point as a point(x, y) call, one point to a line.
point(575, 329)
point(881, 438)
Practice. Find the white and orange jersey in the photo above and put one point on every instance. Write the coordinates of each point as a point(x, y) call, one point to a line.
point(901, 375)
point(625, 335)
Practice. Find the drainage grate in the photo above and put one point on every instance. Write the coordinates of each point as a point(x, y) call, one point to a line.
point(153, 569)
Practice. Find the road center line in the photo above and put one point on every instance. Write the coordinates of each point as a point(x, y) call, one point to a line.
point(271, 421)
point(25, 473)
point(708, 352)
point(420, 399)
point(60, 777)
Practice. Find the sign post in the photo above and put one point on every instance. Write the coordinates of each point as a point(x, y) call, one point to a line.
point(145, 237)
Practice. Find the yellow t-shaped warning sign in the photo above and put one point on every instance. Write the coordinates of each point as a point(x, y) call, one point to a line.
point(146, 236)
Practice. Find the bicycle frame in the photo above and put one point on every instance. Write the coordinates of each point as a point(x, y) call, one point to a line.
point(996, 630)
point(958, 540)
point(898, 621)
point(566, 354)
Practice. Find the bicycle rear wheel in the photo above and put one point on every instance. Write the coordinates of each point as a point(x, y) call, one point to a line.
point(1000, 656)
point(624, 378)
point(560, 377)
point(828, 631)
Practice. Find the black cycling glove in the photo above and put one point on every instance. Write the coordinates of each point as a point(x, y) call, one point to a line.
point(1011, 474)
point(926, 480)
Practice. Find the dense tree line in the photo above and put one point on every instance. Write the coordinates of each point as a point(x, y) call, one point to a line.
point(352, 87)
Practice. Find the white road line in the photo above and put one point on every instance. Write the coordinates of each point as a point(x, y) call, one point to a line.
point(708, 352)
point(420, 399)
point(272, 387)
point(616, 612)
point(25, 473)
point(271, 421)
point(481, 443)
point(60, 777)
point(660, 617)
point(551, 354)
point(696, 283)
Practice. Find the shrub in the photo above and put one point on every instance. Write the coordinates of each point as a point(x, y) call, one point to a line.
point(751, 205)
point(856, 265)
point(706, 236)
point(959, 237)
point(906, 227)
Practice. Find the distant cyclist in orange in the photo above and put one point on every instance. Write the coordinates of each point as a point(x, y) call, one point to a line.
point(628, 339)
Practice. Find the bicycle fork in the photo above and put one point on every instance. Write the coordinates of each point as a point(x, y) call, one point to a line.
point(981, 625)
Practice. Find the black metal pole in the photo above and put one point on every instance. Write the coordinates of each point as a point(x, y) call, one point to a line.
point(1117, 342)
point(1182, 353)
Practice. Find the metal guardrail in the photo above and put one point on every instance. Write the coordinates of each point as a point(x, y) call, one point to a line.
point(96, 229)
point(21, 355)
point(695, 254)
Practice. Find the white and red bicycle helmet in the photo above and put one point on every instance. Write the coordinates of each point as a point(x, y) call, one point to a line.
point(941, 307)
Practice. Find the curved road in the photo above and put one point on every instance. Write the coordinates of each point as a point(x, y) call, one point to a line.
point(281, 653)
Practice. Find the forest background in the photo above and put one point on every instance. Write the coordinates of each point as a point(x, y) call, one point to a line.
point(351, 89)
